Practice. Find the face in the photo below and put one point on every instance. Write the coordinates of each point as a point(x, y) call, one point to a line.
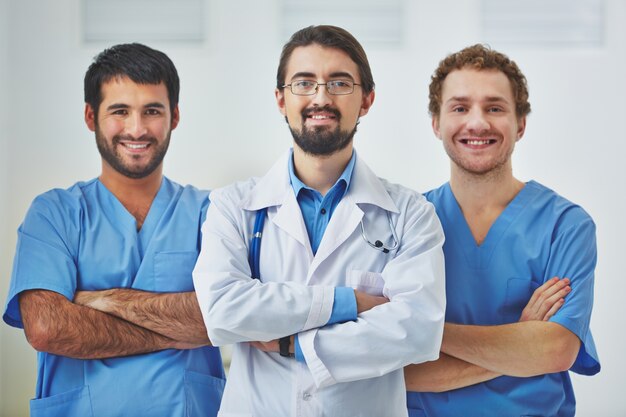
point(322, 124)
point(477, 123)
point(133, 126)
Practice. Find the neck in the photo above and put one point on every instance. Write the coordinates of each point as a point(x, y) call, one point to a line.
point(135, 194)
point(483, 197)
point(320, 172)
point(477, 193)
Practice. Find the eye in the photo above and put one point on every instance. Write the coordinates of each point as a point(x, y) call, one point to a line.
point(120, 112)
point(494, 109)
point(304, 84)
point(340, 84)
point(459, 109)
point(153, 112)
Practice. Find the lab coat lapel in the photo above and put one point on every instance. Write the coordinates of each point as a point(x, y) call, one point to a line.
point(274, 190)
point(345, 220)
point(289, 218)
point(365, 188)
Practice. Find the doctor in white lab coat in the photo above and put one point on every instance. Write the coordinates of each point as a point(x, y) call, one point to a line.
point(322, 278)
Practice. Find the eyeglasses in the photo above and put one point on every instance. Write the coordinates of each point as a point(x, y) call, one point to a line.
point(308, 88)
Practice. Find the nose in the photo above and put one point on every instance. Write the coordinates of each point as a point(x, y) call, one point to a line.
point(136, 126)
point(321, 96)
point(477, 121)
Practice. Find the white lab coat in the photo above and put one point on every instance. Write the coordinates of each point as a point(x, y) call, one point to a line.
point(354, 368)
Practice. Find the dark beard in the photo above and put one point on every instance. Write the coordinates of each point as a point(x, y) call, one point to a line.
point(113, 159)
point(320, 141)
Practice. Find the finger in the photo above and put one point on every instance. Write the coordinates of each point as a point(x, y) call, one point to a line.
point(534, 304)
point(554, 309)
point(549, 303)
point(544, 293)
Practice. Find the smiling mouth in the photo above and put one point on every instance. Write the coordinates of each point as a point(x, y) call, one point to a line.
point(478, 142)
point(321, 116)
point(135, 146)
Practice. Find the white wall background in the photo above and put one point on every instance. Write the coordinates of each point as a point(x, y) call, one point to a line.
point(4, 248)
point(230, 129)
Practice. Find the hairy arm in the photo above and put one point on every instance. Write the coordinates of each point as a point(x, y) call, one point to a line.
point(520, 349)
point(449, 372)
point(55, 325)
point(174, 315)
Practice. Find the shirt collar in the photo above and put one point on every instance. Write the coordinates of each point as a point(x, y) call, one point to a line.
point(274, 187)
point(298, 185)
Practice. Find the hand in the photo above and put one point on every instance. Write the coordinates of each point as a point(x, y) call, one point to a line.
point(546, 300)
point(365, 301)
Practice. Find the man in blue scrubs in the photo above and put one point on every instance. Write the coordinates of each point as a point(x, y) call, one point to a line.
point(125, 242)
point(513, 329)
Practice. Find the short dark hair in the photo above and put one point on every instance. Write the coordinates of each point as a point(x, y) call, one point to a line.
point(330, 37)
point(142, 64)
point(479, 57)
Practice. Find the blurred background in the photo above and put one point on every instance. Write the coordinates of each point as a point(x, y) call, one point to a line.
point(573, 53)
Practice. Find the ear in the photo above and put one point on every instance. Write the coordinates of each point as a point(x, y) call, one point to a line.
point(366, 103)
point(435, 124)
point(280, 100)
point(90, 117)
point(175, 117)
point(521, 127)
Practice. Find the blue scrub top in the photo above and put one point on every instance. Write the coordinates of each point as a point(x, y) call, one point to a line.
point(538, 236)
point(83, 238)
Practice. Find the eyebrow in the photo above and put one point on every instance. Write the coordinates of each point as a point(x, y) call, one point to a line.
point(117, 106)
point(337, 74)
point(490, 99)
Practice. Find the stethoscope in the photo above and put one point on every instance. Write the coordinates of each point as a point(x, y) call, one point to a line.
point(254, 255)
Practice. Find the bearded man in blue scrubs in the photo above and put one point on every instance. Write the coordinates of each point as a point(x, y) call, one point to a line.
point(124, 243)
point(520, 259)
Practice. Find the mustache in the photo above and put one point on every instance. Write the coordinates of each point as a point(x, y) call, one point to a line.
point(326, 109)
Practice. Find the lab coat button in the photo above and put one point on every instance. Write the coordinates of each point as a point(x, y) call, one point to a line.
point(306, 396)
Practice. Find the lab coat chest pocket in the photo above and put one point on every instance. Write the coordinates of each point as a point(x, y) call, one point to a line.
point(518, 293)
point(76, 402)
point(366, 281)
point(172, 271)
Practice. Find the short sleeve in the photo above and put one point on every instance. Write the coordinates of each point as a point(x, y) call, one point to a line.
point(43, 257)
point(573, 255)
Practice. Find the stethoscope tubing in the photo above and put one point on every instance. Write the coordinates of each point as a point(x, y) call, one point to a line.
point(254, 257)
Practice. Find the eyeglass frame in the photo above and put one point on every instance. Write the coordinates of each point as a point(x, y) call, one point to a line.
point(317, 86)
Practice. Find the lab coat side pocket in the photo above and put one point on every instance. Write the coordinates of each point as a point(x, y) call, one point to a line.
point(76, 402)
point(172, 271)
point(366, 281)
point(203, 394)
point(518, 293)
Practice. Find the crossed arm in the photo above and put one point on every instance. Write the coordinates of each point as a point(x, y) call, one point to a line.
point(54, 324)
point(474, 354)
point(173, 315)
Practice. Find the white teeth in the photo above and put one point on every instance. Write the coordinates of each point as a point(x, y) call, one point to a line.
point(319, 117)
point(136, 145)
point(477, 142)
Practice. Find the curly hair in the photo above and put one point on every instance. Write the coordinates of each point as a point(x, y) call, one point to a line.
point(479, 57)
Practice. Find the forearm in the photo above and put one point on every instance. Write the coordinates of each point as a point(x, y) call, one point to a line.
point(55, 325)
point(173, 315)
point(444, 374)
point(519, 349)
